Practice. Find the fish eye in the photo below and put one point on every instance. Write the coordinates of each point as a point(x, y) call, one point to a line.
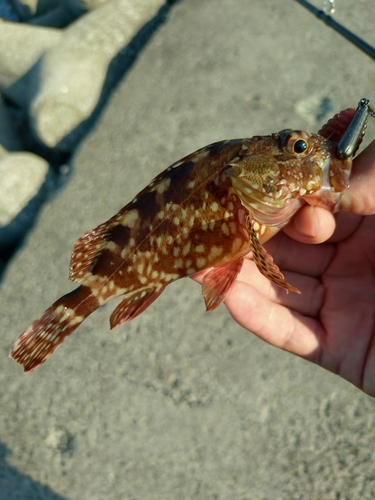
point(300, 146)
point(297, 142)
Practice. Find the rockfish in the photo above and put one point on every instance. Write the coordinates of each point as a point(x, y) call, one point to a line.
point(206, 211)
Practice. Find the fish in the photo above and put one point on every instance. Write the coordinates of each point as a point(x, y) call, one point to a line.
point(207, 211)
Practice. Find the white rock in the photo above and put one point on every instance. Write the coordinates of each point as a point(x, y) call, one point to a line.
point(22, 176)
point(20, 48)
point(69, 80)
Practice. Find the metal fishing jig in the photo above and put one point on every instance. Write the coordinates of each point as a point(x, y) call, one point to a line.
point(353, 134)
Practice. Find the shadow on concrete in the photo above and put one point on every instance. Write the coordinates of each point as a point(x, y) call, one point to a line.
point(16, 486)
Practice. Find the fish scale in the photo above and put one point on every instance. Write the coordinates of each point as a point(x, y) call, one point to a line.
point(206, 211)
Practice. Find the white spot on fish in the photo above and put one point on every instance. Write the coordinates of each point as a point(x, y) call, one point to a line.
point(163, 186)
point(130, 218)
point(225, 229)
point(140, 268)
point(186, 248)
point(215, 251)
point(236, 245)
point(233, 227)
point(201, 262)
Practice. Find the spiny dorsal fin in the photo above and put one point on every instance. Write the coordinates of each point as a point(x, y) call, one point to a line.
point(165, 176)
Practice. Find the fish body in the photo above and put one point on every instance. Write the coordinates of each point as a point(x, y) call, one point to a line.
point(206, 211)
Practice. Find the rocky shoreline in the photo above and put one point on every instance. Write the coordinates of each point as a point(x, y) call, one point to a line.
point(58, 65)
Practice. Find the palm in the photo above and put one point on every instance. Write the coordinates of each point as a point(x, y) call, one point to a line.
point(349, 347)
point(332, 321)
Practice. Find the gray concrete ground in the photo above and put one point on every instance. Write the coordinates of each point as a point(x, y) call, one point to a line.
point(180, 404)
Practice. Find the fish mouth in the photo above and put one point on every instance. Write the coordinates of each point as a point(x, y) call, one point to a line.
point(335, 180)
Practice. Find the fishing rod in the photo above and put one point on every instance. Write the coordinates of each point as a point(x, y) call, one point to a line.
point(327, 18)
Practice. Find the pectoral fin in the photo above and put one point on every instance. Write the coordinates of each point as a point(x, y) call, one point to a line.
point(217, 283)
point(264, 261)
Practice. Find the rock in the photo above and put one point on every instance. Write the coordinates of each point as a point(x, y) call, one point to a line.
point(28, 9)
point(68, 81)
point(20, 48)
point(56, 18)
point(22, 176)
point(60, 87)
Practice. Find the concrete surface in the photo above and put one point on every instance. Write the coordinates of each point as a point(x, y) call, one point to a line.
point(179, 404)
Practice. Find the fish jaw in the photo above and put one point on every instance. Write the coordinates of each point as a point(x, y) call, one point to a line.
point(335, 180)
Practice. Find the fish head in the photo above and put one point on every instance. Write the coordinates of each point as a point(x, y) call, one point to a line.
point(324, 177)
point(278, 173)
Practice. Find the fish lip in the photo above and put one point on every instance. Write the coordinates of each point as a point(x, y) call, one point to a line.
point(335, 180)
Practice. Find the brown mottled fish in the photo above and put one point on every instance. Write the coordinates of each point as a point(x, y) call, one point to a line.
point(207, 211)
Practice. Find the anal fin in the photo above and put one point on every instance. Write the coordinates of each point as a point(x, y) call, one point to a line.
point(264, 261)
point(132, 306)
point(218, 282)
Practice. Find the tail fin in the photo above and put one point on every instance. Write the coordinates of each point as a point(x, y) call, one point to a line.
point(39, 341)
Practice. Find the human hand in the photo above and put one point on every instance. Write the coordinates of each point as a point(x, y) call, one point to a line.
point(332, 322)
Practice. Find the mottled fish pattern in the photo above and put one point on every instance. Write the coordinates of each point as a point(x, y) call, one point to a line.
point(206, 211)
